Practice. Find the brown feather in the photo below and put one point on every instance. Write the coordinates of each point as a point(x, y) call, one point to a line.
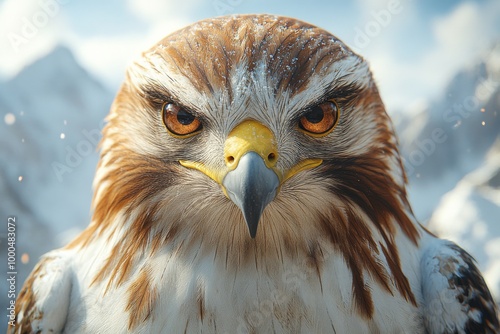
point(142, 298)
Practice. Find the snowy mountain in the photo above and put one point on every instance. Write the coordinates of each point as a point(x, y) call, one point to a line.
point(451, 136)
point(470, 216)
point(51, 116)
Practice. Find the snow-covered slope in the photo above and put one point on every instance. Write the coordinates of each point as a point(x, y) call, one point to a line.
point(470, 216)
point(51, 117)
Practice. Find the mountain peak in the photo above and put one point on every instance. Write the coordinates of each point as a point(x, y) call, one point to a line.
point(62, 53)
point(58, 68)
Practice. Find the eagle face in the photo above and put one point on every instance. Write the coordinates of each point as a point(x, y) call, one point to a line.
point(270, 118)
point(250, 181)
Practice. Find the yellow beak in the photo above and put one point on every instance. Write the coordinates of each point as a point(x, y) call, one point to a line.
point(251, 179)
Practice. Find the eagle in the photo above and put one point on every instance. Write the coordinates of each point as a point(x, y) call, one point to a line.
point(250, 182)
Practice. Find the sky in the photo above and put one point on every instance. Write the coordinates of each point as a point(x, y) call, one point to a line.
point(414, 47)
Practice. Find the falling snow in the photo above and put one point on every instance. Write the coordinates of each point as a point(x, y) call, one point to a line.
point(9, 119)
point(25, 258)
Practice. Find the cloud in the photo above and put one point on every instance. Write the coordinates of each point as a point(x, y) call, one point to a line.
point(164, 16)
point(456, 41)
point(29, 29)
point(107, 57)
point(460, 37)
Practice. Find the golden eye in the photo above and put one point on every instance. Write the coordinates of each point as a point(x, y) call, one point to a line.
point(178, 121)
point(321, 119)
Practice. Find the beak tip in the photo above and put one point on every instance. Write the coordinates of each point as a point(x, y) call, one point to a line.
point(252, 229)
point(252, 219)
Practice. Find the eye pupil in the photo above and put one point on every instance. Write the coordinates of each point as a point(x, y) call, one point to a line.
point(179, 121)
point(316, 115)
point(320, 119)
point(185, 118)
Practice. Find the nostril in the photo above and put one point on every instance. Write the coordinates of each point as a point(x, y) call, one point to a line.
point(230, 159)
point(271, 157)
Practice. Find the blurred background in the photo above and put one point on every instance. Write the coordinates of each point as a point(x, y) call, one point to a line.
point(437, 64)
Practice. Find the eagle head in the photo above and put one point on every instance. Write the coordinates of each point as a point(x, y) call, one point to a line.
point(252, 136)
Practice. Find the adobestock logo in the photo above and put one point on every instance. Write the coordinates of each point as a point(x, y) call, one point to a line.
point(38, 20)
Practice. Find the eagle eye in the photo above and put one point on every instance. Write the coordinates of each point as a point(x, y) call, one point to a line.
point(179, 121)
point(320, 119)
